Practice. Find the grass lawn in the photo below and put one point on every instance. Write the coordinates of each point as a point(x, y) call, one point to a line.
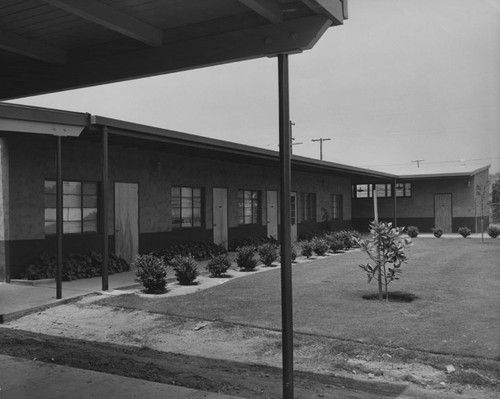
point(456, 283)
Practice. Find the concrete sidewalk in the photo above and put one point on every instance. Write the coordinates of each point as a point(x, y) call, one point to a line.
point(22, 378)
point(23, 297)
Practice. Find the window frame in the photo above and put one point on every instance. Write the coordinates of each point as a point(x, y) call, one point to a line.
point(407, 190)
point(337, 205)
point(384, 190)
point(255, 207)
point(308, 207)
point(193, 214)
point(82, 199)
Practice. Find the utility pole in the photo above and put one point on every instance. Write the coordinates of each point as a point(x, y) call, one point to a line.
point(321, 139)
point(418, 162)
point(292, 138)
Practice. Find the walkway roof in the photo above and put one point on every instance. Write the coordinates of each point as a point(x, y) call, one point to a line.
point(54, 45)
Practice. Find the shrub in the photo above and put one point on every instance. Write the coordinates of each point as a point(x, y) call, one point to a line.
point(464, 231)
point(74, 266)
point(335, 241)
point(199, 250)
point(151, 273)
point(412, 231)
point(186, 269)
point(218, 265)
point(306, 249)
point(268, 253)
point(493, 231)
point(437, 231)
point(245, 258)
point(347, 238)
point(320, 246)
point(294, 253)
point(254, 242)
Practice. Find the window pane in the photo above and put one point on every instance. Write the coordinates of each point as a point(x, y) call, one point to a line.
point(176, 192)
point(50, 186)
point(72, 227)
point(72, 201)
point(50, 227)
point(89, 188)
point(361, 191)
point(89, 214)
point(399, 190)
point(74, 214)
point(50, 200)
point(380, 190)
point(90, 226)
point(187, 202)
point(50, 214)
point(408, 189)
point(187, 213)
point(187, 192)
point(90, 201)
point(196, 222)
point(72, 187)
point(255, 218)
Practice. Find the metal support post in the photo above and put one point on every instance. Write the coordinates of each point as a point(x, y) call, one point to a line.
point(59, 217)
point(285, 226)
point(104, 209)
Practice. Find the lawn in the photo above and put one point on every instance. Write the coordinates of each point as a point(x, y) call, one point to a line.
point(455, 282)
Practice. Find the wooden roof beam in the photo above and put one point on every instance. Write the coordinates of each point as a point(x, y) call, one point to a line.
point(32, 48)
point(336, 10)
point(268, 9)
point(111, 18)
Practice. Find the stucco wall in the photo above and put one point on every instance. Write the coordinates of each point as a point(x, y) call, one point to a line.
point(31, 160)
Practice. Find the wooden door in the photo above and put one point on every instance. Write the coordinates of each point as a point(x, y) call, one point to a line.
point(443, 211)
point(293, 216)
point(272, 214)
point(220, 216)
point(127, 220)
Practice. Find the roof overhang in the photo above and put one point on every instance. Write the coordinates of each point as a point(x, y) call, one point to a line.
point(443, 175)
point(54, 45)
point(21, 119)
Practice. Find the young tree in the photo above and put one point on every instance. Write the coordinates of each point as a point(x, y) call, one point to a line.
point(385, 247)
point(495, 201)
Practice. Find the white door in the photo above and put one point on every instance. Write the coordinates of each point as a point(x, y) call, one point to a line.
point(272, 214)
point(293, 216)
point(220, 216)
point(127, 220)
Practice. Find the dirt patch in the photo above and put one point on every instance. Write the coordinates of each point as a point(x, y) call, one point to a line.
point(142, 345)
point(396, 296)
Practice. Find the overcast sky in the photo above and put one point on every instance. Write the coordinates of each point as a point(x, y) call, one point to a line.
point(401, 80)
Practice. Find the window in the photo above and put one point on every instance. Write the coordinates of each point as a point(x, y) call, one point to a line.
point(308, 205)
point(80, 207)
point(293, 209)
point(187, 207)
point(248, 207)
point(403, 190)
point(362, 191)
point(366, 190)
point(337, 204)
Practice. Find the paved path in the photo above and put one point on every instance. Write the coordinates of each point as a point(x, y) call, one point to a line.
point(21, 378)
